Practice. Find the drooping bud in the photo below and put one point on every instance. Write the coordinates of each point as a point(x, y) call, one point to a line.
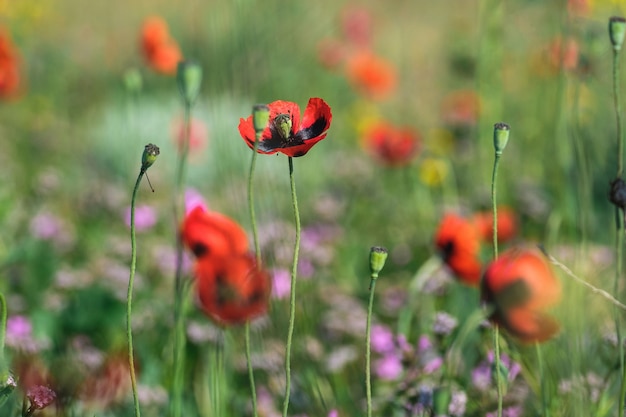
point(260, 117)
point(378, 257)
point(283, 125)
point(617, 29)
point(189, 78)
point(500, 137)
point(150, 154)
point(617, 194)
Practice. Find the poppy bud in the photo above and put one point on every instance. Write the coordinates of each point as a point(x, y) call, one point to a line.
point(378, 256)
point(617, 29)
point(189, 77)
point(283, 125)
point(441, 401)
point(500, 137)
point(133, 81)
point(150, 154)
point(617, 194)
point(260, 117)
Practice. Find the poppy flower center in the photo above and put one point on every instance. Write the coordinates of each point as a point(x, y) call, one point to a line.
point(283, 124)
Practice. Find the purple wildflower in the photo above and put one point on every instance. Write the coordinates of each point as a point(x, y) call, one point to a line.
point(145, 217)
point(281, 283)
point(389, 367)
point(382, 339)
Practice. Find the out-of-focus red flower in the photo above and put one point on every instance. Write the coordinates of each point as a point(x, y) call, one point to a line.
point(9, 67)
point(391, 145)
point(232, 289)
point(356, 23)
point(521, 286)
point(458, 241)
point(109, 385)
point(579, 7)
point(461, 108)
point(371, 75)
point(563, 54)
point(331, 53)
point(285, 132)
point(160, 50)
point(197, 134)
point(507, 225)
point(211, 234)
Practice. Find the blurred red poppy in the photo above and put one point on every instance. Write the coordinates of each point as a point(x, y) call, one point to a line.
point(232, 289)
point(198, 134)
point(371, 75)
point(507, 225)
point(356, 24)
point(391, 145)
point(285, 132)
point(521, 286)
point(563, 55)
point(109, 384)
point(461, 107)
point(459, 243)
point(9, 66)
point(160, 50)
point(211, 234)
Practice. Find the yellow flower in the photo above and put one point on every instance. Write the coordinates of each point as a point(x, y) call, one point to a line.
point(433, 171)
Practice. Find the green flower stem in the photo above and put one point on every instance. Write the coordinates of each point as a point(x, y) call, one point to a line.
point(619, 225)
point(129, 297)
point(496, 329)
point(179, 320)
point(292, 298)
point(544, 393)
point(257, 251)
point(3, 330)
point(368, 352)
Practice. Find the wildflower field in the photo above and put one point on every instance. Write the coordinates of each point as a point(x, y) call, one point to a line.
point(331, 208)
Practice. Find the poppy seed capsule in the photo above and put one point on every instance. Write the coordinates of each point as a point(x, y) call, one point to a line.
point(150, 154)
point(378, 257)
point(189, 78)
point(260, 117)
point(617, 194)
point(500, 137)
point(617, 29)
point(283, 125)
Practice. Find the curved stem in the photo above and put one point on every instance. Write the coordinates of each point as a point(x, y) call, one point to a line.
point(257, 251)
point(496, 332)
point(292, 299)
point(179, 330)
point(368, 353)
point(129, 297)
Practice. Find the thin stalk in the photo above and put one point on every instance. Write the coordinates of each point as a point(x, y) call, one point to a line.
point(179, 330)
point(368, 353)
point(544, 394)
point(3, 328)
point(292, 298)
point(619, 225)
point(257, 251)
point(496, 330)
point(129, 297)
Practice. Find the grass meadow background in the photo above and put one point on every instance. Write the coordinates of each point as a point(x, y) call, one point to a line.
point(70, 148)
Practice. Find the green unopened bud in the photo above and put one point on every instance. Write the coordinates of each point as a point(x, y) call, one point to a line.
point(133, 81)
point(150, 154)
point(378, 257)
point(617, 29)
point(260, 117)
point(441, 401)
point(283, 125)
point(500, 137)
point(189, 78)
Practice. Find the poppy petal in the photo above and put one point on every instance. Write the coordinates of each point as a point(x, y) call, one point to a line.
point(232, 290)
point(211, 234)
point(530, 326)
point(316, 120)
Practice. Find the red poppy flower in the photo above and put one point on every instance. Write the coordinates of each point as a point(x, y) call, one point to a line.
point(211, 234)
point(285, 132)
point(521, 286)
point(563, 54)
point(160, 50)
point(392, 146)
point(459, 243)
point(371, 75)
point(9, 67)
point(461, 108)
point(232, 289)
point(507, 225)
